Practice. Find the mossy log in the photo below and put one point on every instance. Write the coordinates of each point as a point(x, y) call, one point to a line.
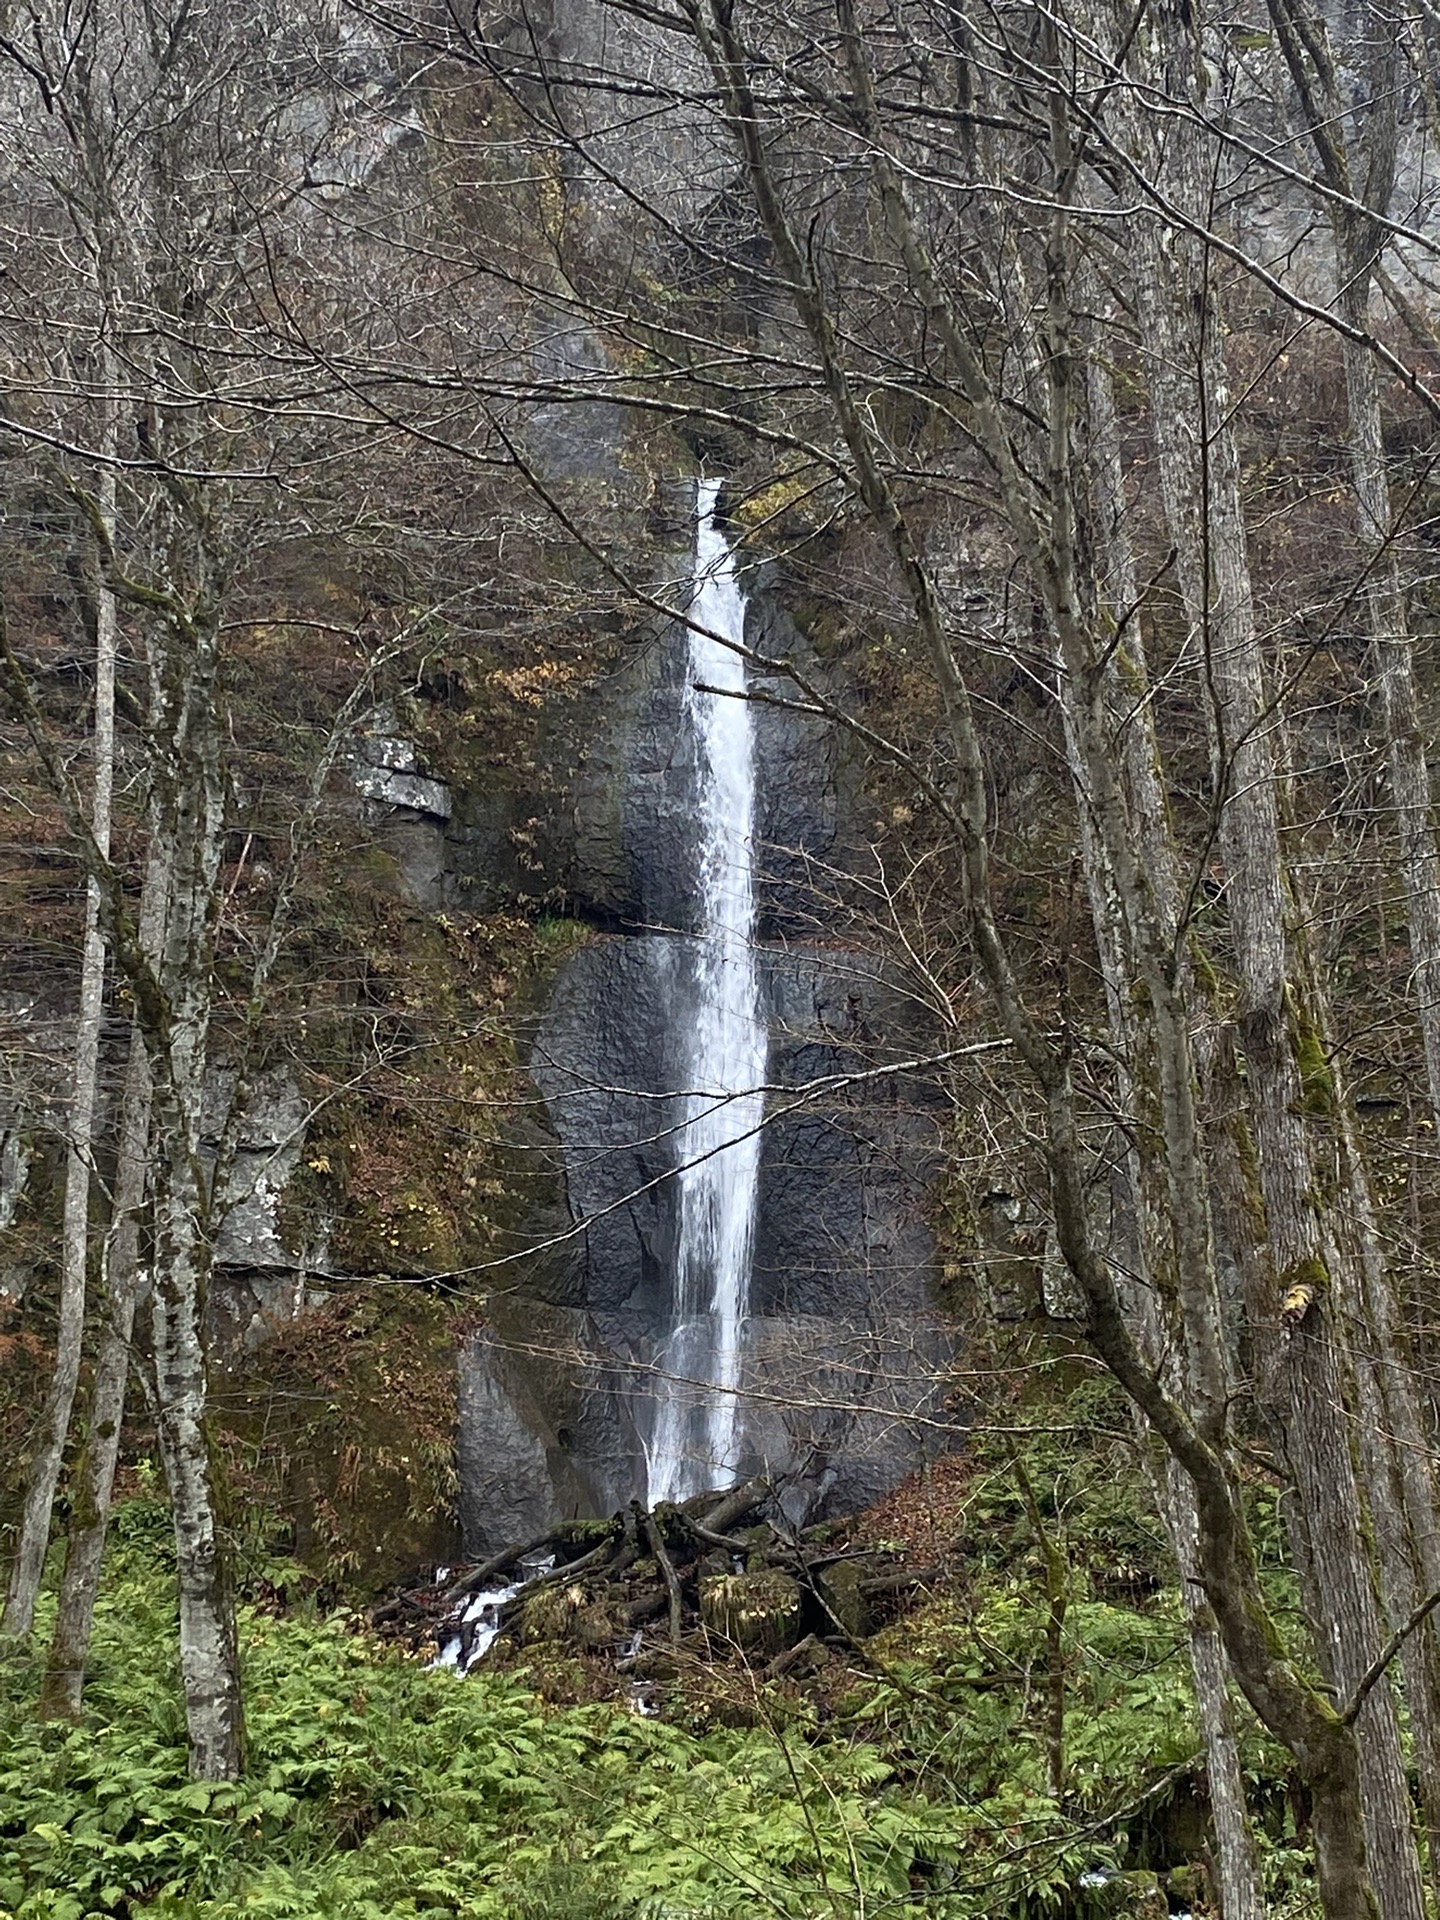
point(570, 1615)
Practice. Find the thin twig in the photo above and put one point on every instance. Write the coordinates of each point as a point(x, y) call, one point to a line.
point(1373, 1674)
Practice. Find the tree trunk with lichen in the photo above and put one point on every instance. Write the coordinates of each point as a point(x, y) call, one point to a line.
point(1322, 1743)
point(43, 1479)
point(187, 825)
point(1305, 1387)
point(1144, 1235)
point(94, 1475)
point(1348, 94)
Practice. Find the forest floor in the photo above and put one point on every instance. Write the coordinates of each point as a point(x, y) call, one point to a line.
point(904, 1769)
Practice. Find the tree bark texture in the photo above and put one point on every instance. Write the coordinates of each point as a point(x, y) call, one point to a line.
point(94, 1474)
point(28, 1566)
point(1352, 126)
point(1200, 484)
point(187, 810)
point(1238, 1887)
point(1323, 1745)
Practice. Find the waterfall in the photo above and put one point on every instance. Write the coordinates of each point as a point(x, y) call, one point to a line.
point(695, 1430)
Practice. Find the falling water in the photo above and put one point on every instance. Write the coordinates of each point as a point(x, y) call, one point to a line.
point(695, 1439)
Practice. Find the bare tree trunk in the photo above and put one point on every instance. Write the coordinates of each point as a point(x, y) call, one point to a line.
point(1385, 601)
point(1398, 1430)
point(1396, 1456)
point(28, 1568)
point(188, 824)
point(1320, 1739)
point(209, 1657)
point(1360, 166)
point(94, 1475)
point(1355, 141)
point(1238, 1890)
point(1200, 483)
point(1237, 1869)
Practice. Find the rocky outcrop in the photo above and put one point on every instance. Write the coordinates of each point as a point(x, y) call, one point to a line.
point(843, 1354)
point(601, 824)
point(262, 1280)
point(841, 1350)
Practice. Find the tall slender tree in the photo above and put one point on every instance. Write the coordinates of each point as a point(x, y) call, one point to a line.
point(917, 213)
point(28, 1565)
point(163, 167)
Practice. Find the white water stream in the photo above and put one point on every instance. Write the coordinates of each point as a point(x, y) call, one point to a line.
point(695, 1427)
point(695, 1433)
point(483, 1614)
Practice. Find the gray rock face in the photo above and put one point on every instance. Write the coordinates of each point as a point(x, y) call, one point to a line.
point(545, 1426)
point(606, 1055)
point(805, 788)
point(406, 807)
point(606, 823)
point(266, 1155)
point(674, 162)
point(610, 825)
point(507, 1481)
point(843, 1355)
point(260, 1281)
point(569, 443)
point(850, 1151)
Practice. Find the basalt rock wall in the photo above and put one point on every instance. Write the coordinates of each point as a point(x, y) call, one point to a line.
point(843, 1353)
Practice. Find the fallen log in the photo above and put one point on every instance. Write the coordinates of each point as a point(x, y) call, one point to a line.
point(736, 1504)
point(678, 1561)
point(645, 1608)
point(811, 1651)
point(727, 1541)
point(667, 1568)
point(498, 1563)
point(613, 1547)
point(901, 1581)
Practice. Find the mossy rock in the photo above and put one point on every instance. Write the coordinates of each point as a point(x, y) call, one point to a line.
point(308, 1429)
point(568, 1615)
point(596, 1626)
point(581, 1535)
point(759, 1612)
point(839, 1586)
point(551, 1614)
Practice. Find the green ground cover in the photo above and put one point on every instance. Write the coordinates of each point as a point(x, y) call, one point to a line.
point(911, 1778)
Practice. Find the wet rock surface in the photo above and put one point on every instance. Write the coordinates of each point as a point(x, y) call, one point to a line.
point(603, 823)
point(842, 1352)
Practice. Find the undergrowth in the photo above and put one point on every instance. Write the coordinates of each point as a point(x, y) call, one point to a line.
point(915, 1781)
point(378, 1787)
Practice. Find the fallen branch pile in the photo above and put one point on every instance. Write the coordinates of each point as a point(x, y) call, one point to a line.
point(718, 1574)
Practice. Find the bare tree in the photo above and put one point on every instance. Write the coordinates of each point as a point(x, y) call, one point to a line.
point(159, 174)
point(121, 1285)
point(28, 1565)
point(923, 219)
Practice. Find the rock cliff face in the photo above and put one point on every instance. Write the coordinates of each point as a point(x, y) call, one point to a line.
point(841, 1346)
point(592, 826)
point(843, 1354)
